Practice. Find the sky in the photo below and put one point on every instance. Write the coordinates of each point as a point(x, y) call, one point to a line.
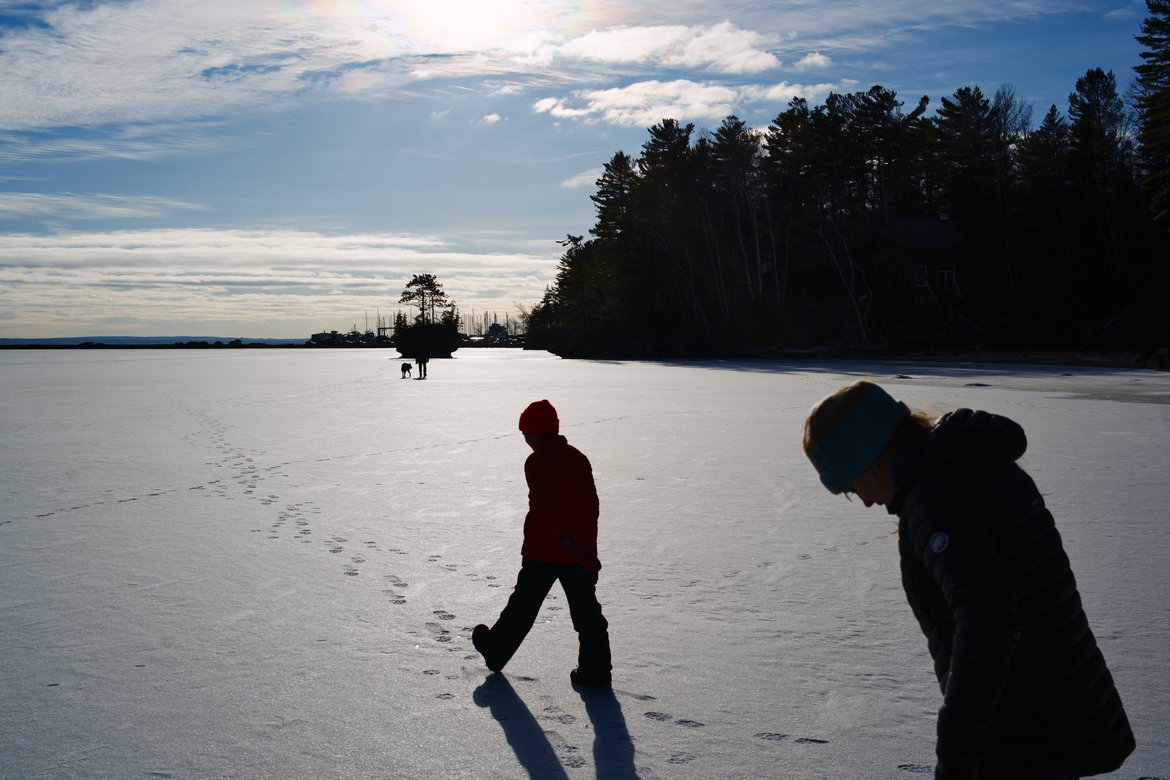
point(277, 168)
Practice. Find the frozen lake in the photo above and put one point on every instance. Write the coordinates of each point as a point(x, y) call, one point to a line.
point(267, 563)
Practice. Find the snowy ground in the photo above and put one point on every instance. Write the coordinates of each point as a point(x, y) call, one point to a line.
point(266, 564)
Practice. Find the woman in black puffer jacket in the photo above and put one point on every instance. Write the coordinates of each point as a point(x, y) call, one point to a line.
point(1026, 692)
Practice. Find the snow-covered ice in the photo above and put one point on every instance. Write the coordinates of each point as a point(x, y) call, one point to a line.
point(267, 564)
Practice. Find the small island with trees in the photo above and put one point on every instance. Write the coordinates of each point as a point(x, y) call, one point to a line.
point(434, 331)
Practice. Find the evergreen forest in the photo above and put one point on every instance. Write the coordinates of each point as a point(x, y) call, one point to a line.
point(872, 223)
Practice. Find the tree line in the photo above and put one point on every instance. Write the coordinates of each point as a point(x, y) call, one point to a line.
point(864, 222)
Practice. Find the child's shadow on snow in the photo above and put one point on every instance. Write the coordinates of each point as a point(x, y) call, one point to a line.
point(613, 750)
point(523, 733)
point(613, 747)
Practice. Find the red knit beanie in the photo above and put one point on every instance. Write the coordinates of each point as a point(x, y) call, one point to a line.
point(539, 417)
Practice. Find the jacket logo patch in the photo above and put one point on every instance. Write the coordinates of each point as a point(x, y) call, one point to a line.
point(939, 542)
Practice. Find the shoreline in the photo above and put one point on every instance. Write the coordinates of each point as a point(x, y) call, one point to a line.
point(1020, 357)
point(1116, 359)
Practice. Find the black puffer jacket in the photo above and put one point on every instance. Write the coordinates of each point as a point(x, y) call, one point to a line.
point(1026, 692)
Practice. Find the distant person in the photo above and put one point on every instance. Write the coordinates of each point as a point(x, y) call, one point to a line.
point(421, 362)
point(560, 543)
point(1026, 692)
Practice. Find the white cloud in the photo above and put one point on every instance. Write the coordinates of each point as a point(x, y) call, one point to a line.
point(648, 102)
point(147, 61)
point(780, 94)
point(152, 60)
point(726, 49)
point(160, 60)
point(143, 141)
point(559, 107)
point(722, 48)
point(143, 61)
point(75, 280)
point(89, 206)
point(506, 89)
point(813, 61)
point(585, 179)
point(625, 44)
point(491, 119)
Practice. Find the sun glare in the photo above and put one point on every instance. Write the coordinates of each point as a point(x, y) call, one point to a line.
point(471, 25)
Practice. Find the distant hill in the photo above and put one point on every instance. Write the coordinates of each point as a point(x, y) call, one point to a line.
point(140, 341)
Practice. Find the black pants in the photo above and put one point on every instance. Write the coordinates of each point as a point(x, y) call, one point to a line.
point(533, 583)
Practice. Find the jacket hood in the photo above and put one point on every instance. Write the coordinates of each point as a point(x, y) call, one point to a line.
point(962, 436)
point(966, 436)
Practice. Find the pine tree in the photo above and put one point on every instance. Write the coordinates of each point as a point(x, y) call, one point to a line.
point(1101, 155)
point(426, 292)
point(613, 197)
point(1153, 101)
point(966, 131)
point(737, 198)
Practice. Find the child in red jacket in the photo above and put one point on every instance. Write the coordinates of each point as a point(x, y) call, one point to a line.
point(560, 543)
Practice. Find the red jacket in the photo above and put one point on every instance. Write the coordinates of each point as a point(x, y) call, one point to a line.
point(561, 526)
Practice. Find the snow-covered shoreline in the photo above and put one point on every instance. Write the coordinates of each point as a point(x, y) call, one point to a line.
point(268, 564)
